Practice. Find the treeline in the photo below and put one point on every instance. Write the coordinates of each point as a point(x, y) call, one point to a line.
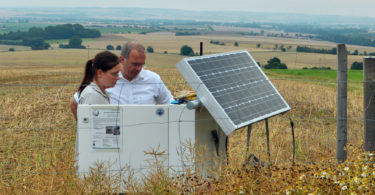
point(251, 33)
point(11, 42)
point(36, 43)
point(320, 30)
point(63, 31)
point(315, 50)
point(348, 39)
point(187, 33)
point(355, 36)
point(35, 37)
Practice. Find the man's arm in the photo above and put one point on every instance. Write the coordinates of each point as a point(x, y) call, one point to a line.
point(164, 96)
point(73, 107)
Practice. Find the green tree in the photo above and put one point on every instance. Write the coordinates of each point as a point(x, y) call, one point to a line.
point(36, 43)
point(275, 63)
point(110, 47)
point(258, 45)
point(75, 42)
point(236, 44)
point(186, 51)
point(35, 32)
point(150, 49)
point(118, 47)
point(356, 66)
point(274, 60)
point(11, 49)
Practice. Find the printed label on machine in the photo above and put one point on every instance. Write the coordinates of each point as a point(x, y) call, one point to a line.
point(106, 131)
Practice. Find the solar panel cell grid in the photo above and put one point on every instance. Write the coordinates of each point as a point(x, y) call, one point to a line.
point(236, 85)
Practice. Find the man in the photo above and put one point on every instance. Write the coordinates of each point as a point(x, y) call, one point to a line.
point(136, 85)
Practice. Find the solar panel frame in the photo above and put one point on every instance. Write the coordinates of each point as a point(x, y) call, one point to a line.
point(216, 109)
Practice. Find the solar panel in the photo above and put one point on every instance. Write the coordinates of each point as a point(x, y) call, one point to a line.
point(233, 88)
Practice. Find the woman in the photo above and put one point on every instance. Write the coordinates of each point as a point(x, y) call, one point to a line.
point(100, 73)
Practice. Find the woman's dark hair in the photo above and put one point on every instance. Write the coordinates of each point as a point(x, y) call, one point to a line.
point(104, 61)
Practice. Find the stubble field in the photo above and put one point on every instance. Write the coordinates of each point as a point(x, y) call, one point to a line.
point(37, 130)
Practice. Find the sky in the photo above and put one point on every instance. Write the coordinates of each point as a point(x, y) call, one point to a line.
point(318, 7)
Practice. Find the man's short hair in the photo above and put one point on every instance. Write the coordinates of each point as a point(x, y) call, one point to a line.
point(129, 46)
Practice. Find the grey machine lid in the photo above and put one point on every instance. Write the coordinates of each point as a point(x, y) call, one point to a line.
point(233, 88)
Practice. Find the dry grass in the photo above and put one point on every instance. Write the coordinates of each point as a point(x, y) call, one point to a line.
point(37, 133)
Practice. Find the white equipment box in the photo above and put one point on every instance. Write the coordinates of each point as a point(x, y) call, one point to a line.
point(122, 135)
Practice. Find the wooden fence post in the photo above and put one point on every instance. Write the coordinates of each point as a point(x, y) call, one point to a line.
point(369, 102)
point(342, 78)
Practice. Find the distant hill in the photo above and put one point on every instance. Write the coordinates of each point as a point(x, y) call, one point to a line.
point(85, 14)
